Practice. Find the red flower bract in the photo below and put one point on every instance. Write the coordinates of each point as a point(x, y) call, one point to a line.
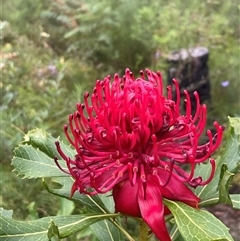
point(132, 140)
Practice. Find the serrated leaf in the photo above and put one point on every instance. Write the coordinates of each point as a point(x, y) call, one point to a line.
point(34, 158)
point(196, 224)
point(235, 198)
point(44, 141)
point(39, 230)
point(230, 155)
point(33, 163)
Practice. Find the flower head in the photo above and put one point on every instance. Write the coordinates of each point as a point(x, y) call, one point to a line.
point(131, 139)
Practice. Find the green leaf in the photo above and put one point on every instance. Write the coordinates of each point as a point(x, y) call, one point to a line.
point(33, 163)
point(110, 231)
point(235, 198)
point(106, 231)
point(6, 213)
point(175, 234)
point(45, 228)
point(43, 141)
point(108, 202)
point(34, 158)
point(101, 204)
point(66, 207)
point(230, 155)
point(93, 204)
point(209, 194)
point(224, 184)
point(235, 123)
point(86, 234)
point(52, 230)
point(196, 224)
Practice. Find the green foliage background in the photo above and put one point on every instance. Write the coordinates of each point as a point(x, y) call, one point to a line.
point(53, 51)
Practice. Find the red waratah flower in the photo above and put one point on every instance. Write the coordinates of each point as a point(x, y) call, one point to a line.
point(131, 139)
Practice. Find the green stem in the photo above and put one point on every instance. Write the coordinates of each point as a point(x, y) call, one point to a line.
point(143, 231)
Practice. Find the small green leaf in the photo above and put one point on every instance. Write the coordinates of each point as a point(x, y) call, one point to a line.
point(52, 230)
point(195, 225)
point(235, 198)
point(224, 184)
point(45, 228)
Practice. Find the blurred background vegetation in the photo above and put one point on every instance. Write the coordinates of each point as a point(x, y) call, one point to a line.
point(53, 51)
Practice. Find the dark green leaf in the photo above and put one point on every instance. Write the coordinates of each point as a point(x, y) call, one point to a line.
point(196, 224)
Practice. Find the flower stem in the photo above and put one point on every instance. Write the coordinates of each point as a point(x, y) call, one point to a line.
point(143, 231)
